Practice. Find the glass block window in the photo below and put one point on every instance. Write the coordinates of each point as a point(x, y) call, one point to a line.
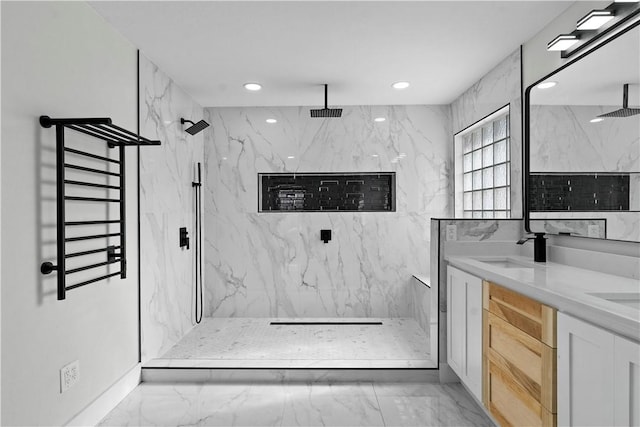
point(486, 170)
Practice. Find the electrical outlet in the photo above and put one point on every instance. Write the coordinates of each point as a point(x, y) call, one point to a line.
point(452, 232)
point(69, 375)
point(593, 230)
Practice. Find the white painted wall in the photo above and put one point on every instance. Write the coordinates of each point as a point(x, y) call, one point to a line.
point(63, 60)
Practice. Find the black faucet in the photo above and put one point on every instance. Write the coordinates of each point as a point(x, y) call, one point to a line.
point(539, 246)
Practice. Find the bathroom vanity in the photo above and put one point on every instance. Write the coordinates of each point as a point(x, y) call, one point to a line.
point(556, 347)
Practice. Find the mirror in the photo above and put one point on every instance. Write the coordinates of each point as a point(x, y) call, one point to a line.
point(584, 168)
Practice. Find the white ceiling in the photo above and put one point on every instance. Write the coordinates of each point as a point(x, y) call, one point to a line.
point(210, 48)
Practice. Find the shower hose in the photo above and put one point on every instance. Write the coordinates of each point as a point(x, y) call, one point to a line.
point(198, 247)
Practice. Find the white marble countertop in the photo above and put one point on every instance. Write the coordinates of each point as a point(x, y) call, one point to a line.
point(563, 287)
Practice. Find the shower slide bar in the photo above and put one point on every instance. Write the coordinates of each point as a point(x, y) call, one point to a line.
point(101, 128)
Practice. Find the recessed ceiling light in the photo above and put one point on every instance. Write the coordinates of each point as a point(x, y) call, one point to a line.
point(562, 42)
point(594, 20)
point(400, 85)
point(546, 85)
point(271, 121)
point(252, 86)
point(596, 120)
point(379, 119)
point(290, 157)
point(224, 158)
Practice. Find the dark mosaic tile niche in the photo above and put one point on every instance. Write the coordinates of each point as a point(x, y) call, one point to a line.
point(315, 192)
point(579, 192)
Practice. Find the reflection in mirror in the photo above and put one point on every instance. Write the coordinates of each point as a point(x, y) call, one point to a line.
point(584, 161)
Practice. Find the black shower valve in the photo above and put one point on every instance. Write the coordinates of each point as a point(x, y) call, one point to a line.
point(184, 237)
point(325, 235)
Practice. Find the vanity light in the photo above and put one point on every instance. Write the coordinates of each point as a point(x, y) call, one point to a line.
point(252, 86)
point(379, 119)
point(546, 85)
point(290, 157)
point(271, 121)
point(596, 120)
point(594, 20)
point(562, 42)
point(400, 85)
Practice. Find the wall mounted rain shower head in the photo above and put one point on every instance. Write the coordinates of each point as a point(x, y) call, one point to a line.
point(196, 127)
point(326, 111)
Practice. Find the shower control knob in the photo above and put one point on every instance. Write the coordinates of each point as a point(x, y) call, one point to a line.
point(184, 237)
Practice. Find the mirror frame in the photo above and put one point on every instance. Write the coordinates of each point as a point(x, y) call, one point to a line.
point(526, 128)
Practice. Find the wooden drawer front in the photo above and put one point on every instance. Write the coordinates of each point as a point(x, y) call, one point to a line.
point(529, 362)
point(530, 316)
point(511, 404)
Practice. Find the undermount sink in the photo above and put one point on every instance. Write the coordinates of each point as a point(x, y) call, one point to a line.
point(629, 299)
point(506, 263)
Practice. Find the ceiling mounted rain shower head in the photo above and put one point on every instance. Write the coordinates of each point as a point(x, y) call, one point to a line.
point(625, 111)
point(326, 111)
point(196, 127)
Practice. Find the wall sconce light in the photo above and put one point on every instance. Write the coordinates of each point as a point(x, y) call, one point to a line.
point(562, 42)
point(594, 20)
point(594, 25)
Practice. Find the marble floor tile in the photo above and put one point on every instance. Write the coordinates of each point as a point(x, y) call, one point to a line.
point(310, 404)
point(332, 405)
point(255, 339)
point(428, 405)
point(199, 404)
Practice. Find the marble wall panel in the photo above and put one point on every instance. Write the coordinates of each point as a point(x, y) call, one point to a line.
point(166, 204)
point(564, 140)
point(499, 87)
point(274, 264)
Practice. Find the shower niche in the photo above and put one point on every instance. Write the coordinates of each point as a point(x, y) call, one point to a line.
point(327, 192)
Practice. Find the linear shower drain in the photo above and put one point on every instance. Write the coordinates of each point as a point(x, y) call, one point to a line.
point(326, 323)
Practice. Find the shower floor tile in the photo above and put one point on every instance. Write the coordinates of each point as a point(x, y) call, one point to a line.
point(254, 342)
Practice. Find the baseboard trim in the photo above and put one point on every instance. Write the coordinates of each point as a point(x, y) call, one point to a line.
point(103, 404)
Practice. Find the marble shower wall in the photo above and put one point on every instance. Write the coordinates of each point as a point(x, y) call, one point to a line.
point(564, 140)
point(499, 87)
point(274, 264)
point(166, 204)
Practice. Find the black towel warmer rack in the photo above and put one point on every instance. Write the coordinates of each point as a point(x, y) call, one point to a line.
point(115, 136)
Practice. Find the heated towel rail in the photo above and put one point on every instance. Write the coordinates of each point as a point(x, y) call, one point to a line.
point(114, 136)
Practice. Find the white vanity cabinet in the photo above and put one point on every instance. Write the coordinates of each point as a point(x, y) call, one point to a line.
point(464, 328)
point(598, 376)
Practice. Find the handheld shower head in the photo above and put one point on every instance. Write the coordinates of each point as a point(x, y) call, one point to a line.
point(195, 127)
